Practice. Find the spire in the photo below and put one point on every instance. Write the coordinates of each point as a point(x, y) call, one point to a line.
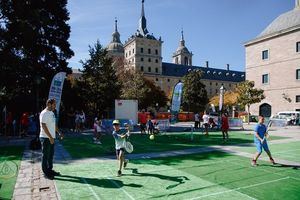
point(143, 11)
point(116, 25)
point(182, 42)
point(297, 4)
point(143, 22)
point(116, 34)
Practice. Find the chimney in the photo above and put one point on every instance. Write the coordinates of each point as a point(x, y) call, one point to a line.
point(207, 64)
point(227, 67)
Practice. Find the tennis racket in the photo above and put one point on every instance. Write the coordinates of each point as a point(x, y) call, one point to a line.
point(274, 123)
point(128, 145)
point(266, 135)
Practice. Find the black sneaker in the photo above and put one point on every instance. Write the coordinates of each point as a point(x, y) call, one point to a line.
point(119, 173)
point(54, 173)
point(49, 176)
point(126, 162)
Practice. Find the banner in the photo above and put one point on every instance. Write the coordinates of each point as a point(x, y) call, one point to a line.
point(56, 88)
point(221, 98)
point(176, 99)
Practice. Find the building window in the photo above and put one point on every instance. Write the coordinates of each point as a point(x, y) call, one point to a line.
point(168, 80)
point(297, 98)
point(298, 47)
point(142, 59)
point(142, 68)
point(129, 53)
point(142, 50)
point(149, 69)
point(216, 91)
point(156, 79)
point(265, 54)
point(210, 83)
point(229, 84)
point(298, 74)
point(132, 51)
point(149, 51)
point(149, 59)
point(126, 55)
point(216, 84)
point(265, 78)
point(156, 60)
point(210, 91)
point(156, 51)
point(156, 70)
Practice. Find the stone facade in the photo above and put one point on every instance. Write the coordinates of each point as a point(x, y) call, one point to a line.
point(280, 67)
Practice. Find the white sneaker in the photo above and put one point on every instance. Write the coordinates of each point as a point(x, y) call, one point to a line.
point(98, 142)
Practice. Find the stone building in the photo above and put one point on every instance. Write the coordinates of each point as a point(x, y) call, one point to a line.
point(143, 52)
point(273, 63)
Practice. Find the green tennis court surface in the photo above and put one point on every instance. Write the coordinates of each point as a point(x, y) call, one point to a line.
point(10, 158)
point(83, 147)
point(286, 151)
point(214, 175)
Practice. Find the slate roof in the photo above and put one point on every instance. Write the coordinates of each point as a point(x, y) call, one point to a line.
point(170, 69)
point(283, 22)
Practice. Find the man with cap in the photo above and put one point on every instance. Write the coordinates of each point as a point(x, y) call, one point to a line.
point(120, 140)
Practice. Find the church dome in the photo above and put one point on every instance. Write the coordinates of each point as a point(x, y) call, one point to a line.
point(286, 21)
point(115, 45)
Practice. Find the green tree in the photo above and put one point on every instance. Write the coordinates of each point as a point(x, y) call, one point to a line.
point(34, 43)
point(154, 96)
point(100, 85)
point(133, 86)
point(249, 95)
point(194, 92)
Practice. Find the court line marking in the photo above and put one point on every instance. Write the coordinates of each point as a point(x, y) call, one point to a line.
point(116, 184)
point(91, 189)
point(239, 188)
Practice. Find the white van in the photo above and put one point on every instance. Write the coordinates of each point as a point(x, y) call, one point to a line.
point(292, 117)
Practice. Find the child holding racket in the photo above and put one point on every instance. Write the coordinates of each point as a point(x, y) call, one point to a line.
point(120, 140)
point(260, 141)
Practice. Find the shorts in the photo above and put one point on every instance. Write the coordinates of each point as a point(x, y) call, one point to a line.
point(259, 146)
point(118, 152)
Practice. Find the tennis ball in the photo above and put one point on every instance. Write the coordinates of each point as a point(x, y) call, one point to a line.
point(151, 137)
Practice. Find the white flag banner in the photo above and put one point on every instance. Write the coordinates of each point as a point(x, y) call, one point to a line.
point(56, 88)
point(221, 101)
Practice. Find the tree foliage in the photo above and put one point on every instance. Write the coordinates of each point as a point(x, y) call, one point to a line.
point(33, 44)
point(136, 86)
point(249, 95)
point(230, 99)
point(194, 93)
point(100, 85)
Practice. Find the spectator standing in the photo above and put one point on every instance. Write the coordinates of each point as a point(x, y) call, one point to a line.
point(197, 120)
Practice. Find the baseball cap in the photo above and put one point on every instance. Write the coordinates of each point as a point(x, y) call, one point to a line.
point(116, 122)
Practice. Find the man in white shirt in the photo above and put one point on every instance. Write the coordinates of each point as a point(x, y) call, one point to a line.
point(47, 136)
point(205, 118)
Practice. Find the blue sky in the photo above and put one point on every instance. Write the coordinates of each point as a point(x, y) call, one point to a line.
point(214, 30)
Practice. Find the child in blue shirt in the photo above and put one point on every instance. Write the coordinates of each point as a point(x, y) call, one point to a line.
point(260, 132)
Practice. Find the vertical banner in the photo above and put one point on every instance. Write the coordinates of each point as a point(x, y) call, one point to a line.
point(221, 98)
point(56, 88)
point(176, 101)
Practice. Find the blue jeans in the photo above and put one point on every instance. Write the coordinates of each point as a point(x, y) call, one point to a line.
point(48, 153)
